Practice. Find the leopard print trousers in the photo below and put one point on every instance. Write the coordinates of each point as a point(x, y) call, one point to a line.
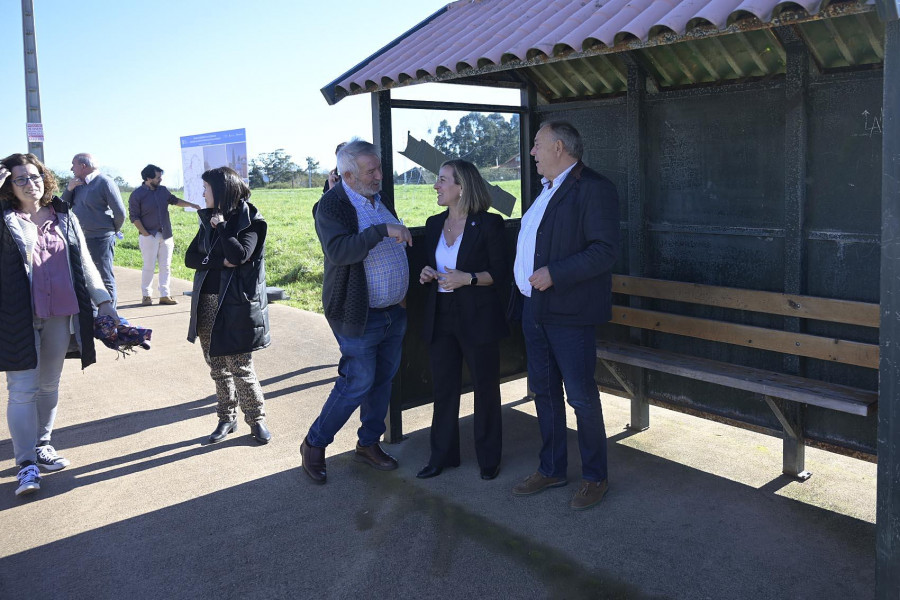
point(234, 376)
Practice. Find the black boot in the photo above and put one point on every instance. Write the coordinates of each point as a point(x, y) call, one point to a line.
point(223, 429)
point(260, 432)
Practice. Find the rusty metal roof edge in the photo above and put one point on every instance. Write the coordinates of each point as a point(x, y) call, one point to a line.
point(330, 89)
point(787, 17)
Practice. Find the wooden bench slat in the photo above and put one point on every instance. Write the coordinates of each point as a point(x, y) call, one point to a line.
point(788, 305)
point(843, 351)
point(799, 389)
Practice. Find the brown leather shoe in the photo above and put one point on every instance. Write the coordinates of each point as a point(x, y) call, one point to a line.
point(313, 460)
point(590, 493)
point(375, 457)
point(535, 483)
point(168, 300)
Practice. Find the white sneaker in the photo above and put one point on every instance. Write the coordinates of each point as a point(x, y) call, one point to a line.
point(49, 460)
point(29, 480)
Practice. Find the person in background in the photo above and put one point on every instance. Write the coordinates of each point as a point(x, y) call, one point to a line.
point(96, 202)
point(333, 175)
point(464, 317)
point(148, 210)
point(48, 284)
point(363, 292)
point(229, 306)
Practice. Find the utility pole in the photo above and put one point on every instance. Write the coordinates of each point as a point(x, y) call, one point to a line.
point(32, 85)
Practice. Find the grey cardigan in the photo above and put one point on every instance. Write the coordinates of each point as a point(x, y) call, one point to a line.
point(345, 295)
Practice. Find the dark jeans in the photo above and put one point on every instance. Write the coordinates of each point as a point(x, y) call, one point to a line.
point(557, 354)
point(102, 250)
point(367, 367)
point(448, 348)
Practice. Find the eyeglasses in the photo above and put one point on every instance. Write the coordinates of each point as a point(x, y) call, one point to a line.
point(23, 181)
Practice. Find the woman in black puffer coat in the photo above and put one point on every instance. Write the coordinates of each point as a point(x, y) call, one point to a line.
point(229, 307)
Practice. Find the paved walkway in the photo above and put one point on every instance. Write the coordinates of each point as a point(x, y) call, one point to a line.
point(696, 509)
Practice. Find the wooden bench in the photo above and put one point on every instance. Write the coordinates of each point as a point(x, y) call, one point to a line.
point(778, 389)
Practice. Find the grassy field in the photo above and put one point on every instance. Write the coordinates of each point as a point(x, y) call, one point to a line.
point(293, 254)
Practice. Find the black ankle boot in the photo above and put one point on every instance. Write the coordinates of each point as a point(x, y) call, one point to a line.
point(260, 432)
point(223, 429)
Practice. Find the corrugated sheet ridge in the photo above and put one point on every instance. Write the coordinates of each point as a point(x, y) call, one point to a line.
point(474, 32)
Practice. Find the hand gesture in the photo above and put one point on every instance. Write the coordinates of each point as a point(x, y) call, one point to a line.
point(541, 280)
point(3, 174)
point(74, 183)
point(399, 233)
point(428, 275)
point(106, 309)
point(453, 279)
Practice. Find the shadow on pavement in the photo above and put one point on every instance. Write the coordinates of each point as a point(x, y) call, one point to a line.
point(664, 530)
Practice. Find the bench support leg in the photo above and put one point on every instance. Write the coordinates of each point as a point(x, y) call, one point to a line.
point(794, 457)
point(640, 408)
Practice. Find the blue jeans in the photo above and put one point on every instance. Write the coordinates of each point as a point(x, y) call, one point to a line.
point(557, 354)
point(102, 250)
point(367, 367)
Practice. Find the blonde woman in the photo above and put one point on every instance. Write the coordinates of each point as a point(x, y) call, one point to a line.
point(464, 316)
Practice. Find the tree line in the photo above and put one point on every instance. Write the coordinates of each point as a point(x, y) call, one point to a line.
point(488, 141)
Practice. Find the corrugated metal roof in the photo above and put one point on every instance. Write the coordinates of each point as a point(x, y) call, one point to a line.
point(568, 47)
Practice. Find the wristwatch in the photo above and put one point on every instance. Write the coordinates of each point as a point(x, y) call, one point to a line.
point(474, 280)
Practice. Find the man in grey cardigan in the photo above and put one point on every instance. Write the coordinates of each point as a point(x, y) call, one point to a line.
point(96, 202)
point(363, 293)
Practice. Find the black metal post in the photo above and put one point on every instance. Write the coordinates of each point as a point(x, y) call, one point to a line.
point(527, 129)
point(887, 517)
point(796, 123)
point(382, 132)
point(635, 135)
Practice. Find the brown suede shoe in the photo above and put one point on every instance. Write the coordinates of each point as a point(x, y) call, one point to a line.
point(591, 493)
point(169, 300)
point(535, 483)
point(313, 460)
point(375, 457)
point(146, 301)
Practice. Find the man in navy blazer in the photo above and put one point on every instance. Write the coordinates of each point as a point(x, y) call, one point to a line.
point(567, 246)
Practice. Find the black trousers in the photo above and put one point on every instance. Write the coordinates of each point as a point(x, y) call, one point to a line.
point(448, 349)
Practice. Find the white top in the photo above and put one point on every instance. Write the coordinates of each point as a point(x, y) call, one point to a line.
point(445, 256)
point(531, 221)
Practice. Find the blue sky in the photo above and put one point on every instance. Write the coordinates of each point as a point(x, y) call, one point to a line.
point(125, 80)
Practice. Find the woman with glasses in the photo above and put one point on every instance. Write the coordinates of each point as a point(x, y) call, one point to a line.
point(229, 306)
point(49, 283)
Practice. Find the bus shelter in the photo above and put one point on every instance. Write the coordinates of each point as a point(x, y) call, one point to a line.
point(754, 145)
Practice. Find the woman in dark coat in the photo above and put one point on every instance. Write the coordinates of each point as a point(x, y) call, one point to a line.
point(49, 284)
point(464, 316)
point(229, 307)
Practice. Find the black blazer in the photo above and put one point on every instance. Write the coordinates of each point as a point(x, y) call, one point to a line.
point(578, 241)
point(481, 249)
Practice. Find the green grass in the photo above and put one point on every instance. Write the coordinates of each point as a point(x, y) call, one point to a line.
point(293, 254)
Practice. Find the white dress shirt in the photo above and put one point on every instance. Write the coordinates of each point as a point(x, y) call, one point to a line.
point(531, 221)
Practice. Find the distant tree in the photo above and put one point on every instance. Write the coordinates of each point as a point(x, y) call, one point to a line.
point(62, 179)
point(276, 167)
point(443, 141)
point(486, 140)
point(312, 165)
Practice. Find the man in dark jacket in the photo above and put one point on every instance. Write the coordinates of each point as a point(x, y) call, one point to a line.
point(364, 287)
point(566, 249)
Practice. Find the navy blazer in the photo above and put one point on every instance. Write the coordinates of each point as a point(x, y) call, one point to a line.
point(578, 241)
point(481, 249)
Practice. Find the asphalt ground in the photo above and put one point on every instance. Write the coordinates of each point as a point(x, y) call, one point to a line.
point(696, 509)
